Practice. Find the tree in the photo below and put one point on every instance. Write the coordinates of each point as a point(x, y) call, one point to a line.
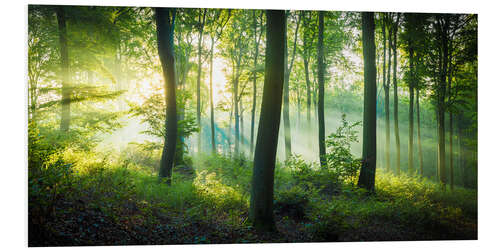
point(411, 34)
point(395, 85)
point(386, 85)
point(257, 39)
point(201, 26)
point(321, 90)
point(165, 22)
point(261, 202)
point(369, 157)
point(286, 98)
point(215, 33)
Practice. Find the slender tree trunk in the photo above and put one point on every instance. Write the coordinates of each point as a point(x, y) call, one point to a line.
point(261, 201)
point(321, 95)
point(236, 108)
point(201, 22)
point(298, 108)
point(212, 119)
point(369, 157)
point(387, 82)
point(420, 156)
point(229, 130)
point(450, 116)
point(165, 21)
point(462, 153)
point(286, 98)
point(452, 174)
point(242, 129)
point(411, 169)
point(308, 87)
point(63, 49)
point(441, 105)
point(394, 78)
point(254, 97)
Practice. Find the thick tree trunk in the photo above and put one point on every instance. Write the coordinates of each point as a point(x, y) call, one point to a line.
point(369, 155)
point(165, 21)
point(63, 49)
point(395, 83)
point(261, 202)
point(321, 94)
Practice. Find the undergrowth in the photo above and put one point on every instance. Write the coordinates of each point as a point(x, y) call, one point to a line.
point(80, 197)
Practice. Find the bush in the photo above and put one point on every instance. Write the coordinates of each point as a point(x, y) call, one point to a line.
point(311, 177)
point(292, 202)
point(339, 159)
point(49, 178)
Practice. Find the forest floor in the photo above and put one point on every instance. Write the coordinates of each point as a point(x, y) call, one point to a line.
point(115, 203)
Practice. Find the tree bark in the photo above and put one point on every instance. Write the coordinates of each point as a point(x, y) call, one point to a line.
point(420, 156)
point(387, 82)
point(321, 94)
point(261, 202)
point(410, 112)
point(395, 83)
point(212, 119)
point(254, 97)
point(441, 102)
point(369, 155)
point(236, 101)
point(286, 98)
point(165, 21)
point(201, 22)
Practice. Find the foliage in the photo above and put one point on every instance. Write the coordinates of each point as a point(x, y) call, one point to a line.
point(339, 158)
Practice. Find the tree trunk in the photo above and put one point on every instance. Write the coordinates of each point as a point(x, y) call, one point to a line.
point(394, 78)
point(212, 120)
point(441, 105)
point(308, 86)
point(261, 202)
point(236, 108)
point(420, 156)
point(411, 169)
point(321, 94)
point(298, 108)
point(201, 22)
point(242, 129)
point(452, 176)
point(369, 155)
point(286, 98)
point(387, 82)
point(63, 49)
point(462, 152)
point(165, 21)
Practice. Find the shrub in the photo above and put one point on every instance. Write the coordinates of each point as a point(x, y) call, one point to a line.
point(291, 202)
point(339, 159)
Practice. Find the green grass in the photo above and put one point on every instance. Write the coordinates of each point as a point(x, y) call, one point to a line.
point(217, 199)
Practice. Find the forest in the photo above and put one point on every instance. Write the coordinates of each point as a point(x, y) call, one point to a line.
point(157, 126)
